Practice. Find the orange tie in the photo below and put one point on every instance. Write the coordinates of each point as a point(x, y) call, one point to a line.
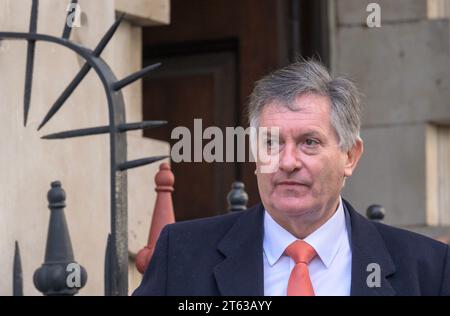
point(299, 282)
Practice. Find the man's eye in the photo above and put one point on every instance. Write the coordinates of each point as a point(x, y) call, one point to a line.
point(271, 142)
point(311, 142)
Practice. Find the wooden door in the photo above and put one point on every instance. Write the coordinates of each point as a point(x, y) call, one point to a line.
point(192, 87)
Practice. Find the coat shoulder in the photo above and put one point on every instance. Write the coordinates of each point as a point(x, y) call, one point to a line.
point(208, 230)
point(410, 242)
point(399, 241)
point(427, 256)
point(416, 264)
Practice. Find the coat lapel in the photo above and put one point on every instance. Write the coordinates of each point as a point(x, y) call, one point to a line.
point(241, 272)
point(368, 248)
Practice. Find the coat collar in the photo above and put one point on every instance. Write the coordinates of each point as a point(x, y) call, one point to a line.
point(368, 247)
point(241, 273)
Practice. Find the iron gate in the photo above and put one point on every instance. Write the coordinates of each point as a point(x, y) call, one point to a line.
point(116, 260)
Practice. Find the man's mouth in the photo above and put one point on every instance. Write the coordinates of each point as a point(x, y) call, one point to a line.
point(291, 183)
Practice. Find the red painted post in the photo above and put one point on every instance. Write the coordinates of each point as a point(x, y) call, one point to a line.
point(162, 214)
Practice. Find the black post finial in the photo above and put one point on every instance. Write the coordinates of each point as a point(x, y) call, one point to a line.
point(237, 198)
point(375, 212)
point(60, 274)
point(17, 272)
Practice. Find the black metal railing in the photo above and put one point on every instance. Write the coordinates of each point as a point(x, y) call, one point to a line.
point(237, 198)
point(117, 249)
point(60, 274)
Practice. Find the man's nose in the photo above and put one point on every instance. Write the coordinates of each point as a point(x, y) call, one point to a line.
point(289, 159)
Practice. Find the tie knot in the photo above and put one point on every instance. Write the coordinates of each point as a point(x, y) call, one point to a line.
point(301, 252)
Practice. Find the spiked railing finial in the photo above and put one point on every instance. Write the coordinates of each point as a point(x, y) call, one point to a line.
point(136, 76)
point(237, 198)
point(30, 62)
point(122, 128)
point(17, 272)
point(81, 74)
point(163, 214)
point(55, 277)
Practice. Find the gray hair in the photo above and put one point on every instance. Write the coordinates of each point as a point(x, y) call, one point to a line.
point(302, 77)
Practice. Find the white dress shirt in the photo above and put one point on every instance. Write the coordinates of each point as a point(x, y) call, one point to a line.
point(330, 270)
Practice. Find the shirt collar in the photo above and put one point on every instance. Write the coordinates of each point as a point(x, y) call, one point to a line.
point(325, 240)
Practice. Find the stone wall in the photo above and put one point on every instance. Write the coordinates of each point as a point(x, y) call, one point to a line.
point(403, 71)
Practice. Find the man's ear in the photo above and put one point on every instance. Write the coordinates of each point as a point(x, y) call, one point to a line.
point(353, 156)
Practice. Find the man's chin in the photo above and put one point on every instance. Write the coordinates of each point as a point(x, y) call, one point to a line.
point(293, 207)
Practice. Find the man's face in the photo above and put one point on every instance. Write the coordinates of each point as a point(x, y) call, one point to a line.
point(311, 167)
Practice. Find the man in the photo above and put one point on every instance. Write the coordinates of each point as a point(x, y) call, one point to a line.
point(304, 239)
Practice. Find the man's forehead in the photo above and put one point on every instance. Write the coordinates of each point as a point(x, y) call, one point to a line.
point(276, 114)
point(303, 104)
